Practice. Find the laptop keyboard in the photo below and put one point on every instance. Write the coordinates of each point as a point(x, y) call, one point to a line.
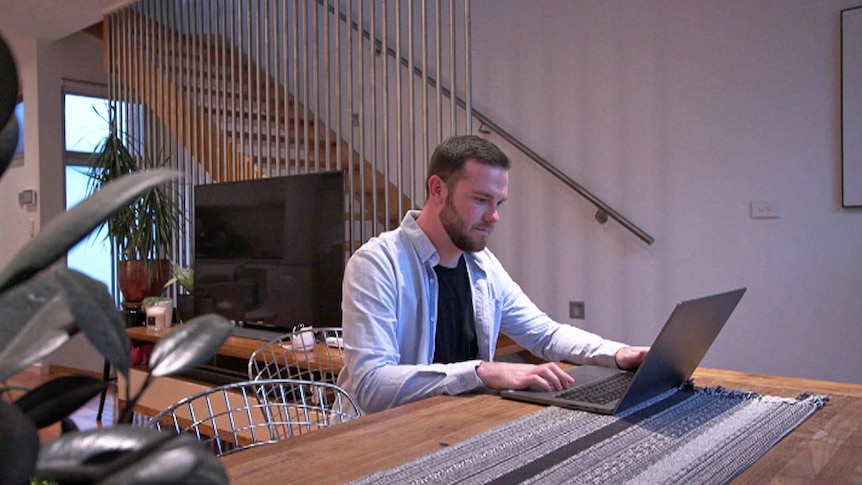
point(601, 391)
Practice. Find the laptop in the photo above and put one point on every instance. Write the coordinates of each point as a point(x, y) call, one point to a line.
point(673, 357)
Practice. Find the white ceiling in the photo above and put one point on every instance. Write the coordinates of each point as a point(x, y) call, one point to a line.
point(51, 19)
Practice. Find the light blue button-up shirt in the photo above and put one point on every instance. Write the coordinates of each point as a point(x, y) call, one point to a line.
point(389, 303)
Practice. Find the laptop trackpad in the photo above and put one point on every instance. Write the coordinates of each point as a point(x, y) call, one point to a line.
point(588, 373)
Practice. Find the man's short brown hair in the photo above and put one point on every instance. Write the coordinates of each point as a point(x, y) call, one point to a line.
point(450, 156)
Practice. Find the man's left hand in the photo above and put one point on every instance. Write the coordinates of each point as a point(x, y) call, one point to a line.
point(630, 358)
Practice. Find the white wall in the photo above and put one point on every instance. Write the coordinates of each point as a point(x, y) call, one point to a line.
point(679, 114)
point(23, 173)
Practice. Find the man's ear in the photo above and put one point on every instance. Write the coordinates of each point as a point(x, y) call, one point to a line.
point(437, 188)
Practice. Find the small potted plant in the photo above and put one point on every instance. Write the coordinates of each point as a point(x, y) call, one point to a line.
point(184, 278)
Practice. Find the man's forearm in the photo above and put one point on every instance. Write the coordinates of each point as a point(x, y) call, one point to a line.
point(393, 385)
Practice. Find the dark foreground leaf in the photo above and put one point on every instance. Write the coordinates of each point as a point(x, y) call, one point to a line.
point(19, 445)
point(190, 345)
point(129, 455)
point(58, 398)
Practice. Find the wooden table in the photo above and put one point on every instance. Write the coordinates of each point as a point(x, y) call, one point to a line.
point(230, 364)
point(240, 349)
point(826, 449)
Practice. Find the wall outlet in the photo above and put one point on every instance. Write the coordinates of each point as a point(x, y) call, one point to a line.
point(577, 310)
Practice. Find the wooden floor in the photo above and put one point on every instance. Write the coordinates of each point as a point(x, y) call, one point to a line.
point(84, 418)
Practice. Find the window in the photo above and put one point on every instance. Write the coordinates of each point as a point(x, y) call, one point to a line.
point(86, 122)
point(19, 115)
point(85, 125)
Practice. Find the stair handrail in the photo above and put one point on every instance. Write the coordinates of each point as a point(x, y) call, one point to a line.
point(603, 209)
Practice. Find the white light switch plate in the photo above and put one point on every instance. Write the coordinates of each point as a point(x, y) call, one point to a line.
point(765, 209)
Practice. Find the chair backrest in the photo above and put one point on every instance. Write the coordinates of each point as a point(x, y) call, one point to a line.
point(238, 416)
point(312, 354)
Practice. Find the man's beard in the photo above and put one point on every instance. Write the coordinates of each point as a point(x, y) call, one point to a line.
point(458, 231)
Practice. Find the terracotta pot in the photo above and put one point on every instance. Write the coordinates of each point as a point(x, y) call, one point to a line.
point(139, 279)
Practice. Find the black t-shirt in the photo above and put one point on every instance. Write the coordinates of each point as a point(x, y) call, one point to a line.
point(456, 327)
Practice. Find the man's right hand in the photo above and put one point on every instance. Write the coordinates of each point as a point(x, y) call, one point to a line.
point(505, 375)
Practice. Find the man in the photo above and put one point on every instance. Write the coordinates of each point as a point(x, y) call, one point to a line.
point(424, 304)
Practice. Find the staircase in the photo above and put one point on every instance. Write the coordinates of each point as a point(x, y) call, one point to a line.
point(243, 130)
point(229, 85)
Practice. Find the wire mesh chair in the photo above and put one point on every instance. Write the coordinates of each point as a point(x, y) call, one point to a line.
point(308, 353)
point(238, 416)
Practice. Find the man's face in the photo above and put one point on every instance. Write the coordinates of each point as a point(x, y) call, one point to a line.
point(472, 205)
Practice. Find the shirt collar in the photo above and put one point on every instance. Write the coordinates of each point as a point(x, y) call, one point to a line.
point(422, 244)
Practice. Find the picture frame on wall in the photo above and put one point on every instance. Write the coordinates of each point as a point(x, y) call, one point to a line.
point(851, 107)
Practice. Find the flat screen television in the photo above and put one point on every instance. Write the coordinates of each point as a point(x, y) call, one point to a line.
point(269, 252)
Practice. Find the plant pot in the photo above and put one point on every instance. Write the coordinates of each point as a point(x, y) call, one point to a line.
point(139, 279)
point(185, 307)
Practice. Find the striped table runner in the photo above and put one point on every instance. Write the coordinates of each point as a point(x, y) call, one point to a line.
point(687, 435)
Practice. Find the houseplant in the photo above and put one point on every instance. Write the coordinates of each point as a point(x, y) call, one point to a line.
point(184, 278)
point(141, 233)
point(41, 310)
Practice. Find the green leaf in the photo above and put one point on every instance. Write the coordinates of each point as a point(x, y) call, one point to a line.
point(190, 345)
point(19, 445)
point(180, 461)
point(58, 398)
point(34, 321)
point(97, 317)
point(8, 82)
point(68, 228)
point(129, 455)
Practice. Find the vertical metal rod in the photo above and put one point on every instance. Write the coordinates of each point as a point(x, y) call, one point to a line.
point(236, 91)
point(255, 62)
point(265, 75)
point(247, 96)
point(296, 85)
point(384, 34)
point(209, 102)
point(193, 85)
point(364, 117)
point(453, 108)
point(339, 104)
point(277, 94)
point(315, 82)
point(225, 89)
point(426, 129)
point(306, 98)
point(137, 86)
point(148, 92)
point(399, 159)
point(327, 75)
point(438, 68)
point(468, 62)
point(411, 158)
point(285, 80)
point(375, 160)
point(351, 141)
